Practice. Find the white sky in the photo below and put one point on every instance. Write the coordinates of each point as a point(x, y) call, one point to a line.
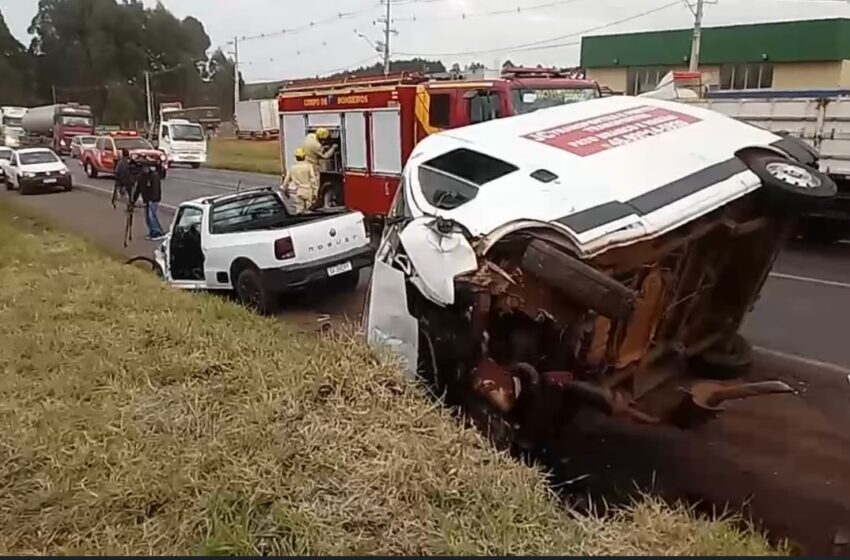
point(441, 27)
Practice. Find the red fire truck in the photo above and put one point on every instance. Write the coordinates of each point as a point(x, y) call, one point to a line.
point(378, 121)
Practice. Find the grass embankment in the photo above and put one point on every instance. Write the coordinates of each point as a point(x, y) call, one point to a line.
point(136, 419)
point(259, 156)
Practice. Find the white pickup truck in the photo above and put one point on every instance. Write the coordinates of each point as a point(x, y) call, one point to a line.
point(252, 242)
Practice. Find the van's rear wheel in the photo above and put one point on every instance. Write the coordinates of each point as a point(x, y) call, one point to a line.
point(794, 183)
point(253, 294)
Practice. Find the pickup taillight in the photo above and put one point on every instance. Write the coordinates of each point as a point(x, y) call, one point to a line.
point(284, 249)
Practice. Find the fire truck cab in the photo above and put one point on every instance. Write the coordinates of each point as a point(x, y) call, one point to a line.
point(377, 121)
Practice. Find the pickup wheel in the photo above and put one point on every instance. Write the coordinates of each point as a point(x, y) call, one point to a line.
point(793, 183)
point(90, 170)
point(253, 294)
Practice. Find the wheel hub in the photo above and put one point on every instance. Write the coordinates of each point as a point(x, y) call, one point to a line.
point(793, 175)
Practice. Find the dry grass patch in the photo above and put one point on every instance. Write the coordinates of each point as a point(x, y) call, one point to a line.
point(135, 419)
point(245, 155)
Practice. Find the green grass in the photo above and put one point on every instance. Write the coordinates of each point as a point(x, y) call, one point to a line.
point(136, 419)
point(245, 155)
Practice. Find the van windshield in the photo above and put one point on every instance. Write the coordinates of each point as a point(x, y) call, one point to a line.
point(187, 132)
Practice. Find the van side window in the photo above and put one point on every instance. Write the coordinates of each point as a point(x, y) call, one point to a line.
point(440, 112)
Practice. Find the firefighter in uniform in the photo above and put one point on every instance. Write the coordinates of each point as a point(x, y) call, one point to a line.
point(316, 150)
point(301, 185)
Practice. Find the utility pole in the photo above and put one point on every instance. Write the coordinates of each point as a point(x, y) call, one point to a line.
point(697, 39)
point(148, 99)
point(387, 39)
point(235, 74)
point(53, 89)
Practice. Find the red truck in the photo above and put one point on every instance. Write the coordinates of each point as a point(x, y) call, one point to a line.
point(378, 120)
point(107, 151)
point(55, 126)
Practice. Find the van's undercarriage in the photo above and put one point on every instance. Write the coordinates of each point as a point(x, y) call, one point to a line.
point(536, 332)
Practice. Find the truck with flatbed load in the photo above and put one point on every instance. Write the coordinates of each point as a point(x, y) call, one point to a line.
point(819, 117)
point(182, 141)
point(54, 126)
point(11, 126)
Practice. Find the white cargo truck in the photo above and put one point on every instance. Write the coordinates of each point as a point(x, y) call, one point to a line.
point(257, 118)
point(818, 117)
point(11, 126)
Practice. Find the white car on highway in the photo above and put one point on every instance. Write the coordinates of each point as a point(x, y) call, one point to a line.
point(578, 254)
point(253, 243)
point(35, 169)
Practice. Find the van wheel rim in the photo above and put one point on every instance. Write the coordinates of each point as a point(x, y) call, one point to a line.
point(793, 175)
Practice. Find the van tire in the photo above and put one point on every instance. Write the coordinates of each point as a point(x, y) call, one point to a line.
point(253, 294)
point(791, 182)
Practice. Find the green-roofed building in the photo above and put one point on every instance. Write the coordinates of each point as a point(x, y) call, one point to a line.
point(781, 55)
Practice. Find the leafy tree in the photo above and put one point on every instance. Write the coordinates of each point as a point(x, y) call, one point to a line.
point(98, 51)
point(14, 75)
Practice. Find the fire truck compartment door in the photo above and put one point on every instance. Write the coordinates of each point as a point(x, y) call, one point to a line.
point(386, 142)
point(294, 129)
point(354, 140)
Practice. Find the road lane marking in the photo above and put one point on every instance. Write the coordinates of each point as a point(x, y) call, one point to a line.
point(810, 280)
point(803, 360)
point(86, 186)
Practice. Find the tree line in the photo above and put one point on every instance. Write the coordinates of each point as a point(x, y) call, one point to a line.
point(97, 52)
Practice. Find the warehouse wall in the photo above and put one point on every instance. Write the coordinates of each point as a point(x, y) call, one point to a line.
point(805, 75)
point(614, 78)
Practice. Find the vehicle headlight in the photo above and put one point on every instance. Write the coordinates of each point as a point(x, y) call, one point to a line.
point(63, 171)
point(28, 174)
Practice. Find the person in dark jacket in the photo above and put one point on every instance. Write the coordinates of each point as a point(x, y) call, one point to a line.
point(149, 187)
point(124, 179)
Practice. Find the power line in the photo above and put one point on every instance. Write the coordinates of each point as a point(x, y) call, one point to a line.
point(476, 15)
point(340, 16)
point(543, 42)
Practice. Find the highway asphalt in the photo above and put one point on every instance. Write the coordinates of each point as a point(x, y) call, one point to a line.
point(804, 310)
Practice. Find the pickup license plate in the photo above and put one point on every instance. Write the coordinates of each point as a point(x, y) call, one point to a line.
point(49, 181)
point(339, 269)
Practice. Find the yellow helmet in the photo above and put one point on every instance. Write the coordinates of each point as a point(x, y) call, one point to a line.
point(322, 133)
point(300, 153)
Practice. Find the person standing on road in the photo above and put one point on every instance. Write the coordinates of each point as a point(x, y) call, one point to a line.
point(149, 186)
point(300, 183)
point(123, 177)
